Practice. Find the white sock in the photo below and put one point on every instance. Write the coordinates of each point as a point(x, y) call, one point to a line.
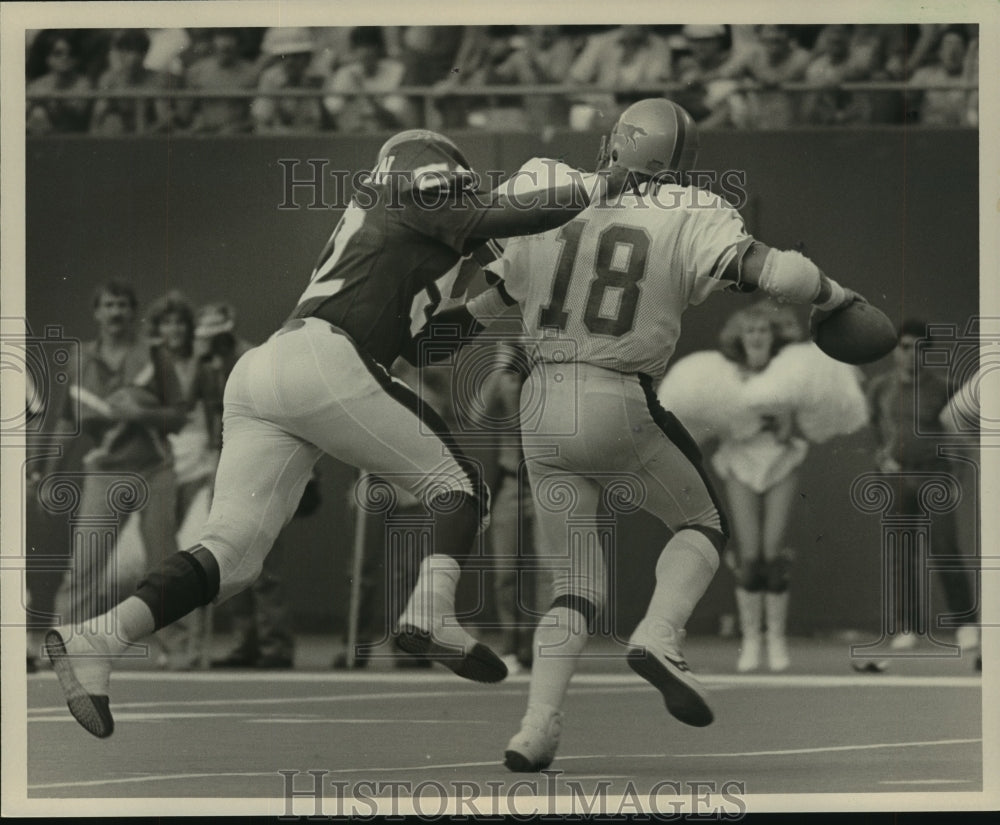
point(683, 573)
point(432, 604)
point(125, 624)
point(560, 637)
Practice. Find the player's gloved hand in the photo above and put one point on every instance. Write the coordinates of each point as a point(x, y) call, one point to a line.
point(817, 316)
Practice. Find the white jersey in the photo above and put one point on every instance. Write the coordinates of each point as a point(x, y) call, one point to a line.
point(615, 280)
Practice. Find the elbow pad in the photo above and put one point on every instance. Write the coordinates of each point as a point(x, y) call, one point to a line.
point(790, 276)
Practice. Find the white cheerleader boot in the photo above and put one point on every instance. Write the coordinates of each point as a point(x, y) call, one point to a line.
point(751, 609)
point(776, 611)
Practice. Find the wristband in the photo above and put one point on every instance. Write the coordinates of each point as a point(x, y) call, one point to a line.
point(837, 296)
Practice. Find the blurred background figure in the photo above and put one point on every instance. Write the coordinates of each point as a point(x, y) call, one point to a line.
point(172, 323)
point(129, 400)
point(260, 615)
point(907, 404)
point(62, 75)
point(539, 55)
point(706, 93)
point(288, 54)
point(430, 55)
point(122, 115)
point(771, 394)
point(623, 58)
point(358, 95)
point(775, 58)
point(835, 61)
point(221, 71)
point(943, 106)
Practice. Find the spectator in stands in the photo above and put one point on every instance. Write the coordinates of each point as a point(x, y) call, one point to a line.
point(359, 95)
point(333, 50)
point(706, 94)
point(628, 57)
point(971, 74)
point(834, 63)
point(907, 404)
point(537, 56)
point(222, 70)
point(288, 52)
point(431, 55)
point(117, 115)
point(61, 116)
point(943, 107)
point(776, 58)
point(129, 400)
point(487, 65)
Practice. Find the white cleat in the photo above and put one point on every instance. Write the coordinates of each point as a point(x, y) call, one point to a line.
point(533, 748)
point(654, 653)
point(84, 675)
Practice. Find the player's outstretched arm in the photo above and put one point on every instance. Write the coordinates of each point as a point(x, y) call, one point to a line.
point(789, 276)
point(509, 215)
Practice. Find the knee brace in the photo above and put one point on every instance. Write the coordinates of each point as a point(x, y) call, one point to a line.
point(581, 605)
point(186, 580)
point(753, 575)
point(778, 574)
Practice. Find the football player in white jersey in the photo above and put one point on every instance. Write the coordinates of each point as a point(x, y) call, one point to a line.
point(602, 297)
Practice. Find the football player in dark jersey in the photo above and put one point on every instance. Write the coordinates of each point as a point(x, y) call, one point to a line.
point(320, 385)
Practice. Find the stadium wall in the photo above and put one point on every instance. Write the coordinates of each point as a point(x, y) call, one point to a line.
point(893, 212)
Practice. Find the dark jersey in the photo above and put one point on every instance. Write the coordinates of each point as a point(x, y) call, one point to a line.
point(386, 261)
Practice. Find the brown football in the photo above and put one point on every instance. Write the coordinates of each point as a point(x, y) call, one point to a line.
point(856, 334)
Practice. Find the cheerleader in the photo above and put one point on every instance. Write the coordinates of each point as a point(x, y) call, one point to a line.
point(771, 395)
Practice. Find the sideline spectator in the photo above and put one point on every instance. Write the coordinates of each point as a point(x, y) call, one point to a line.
point(835, 62)
point(942, 107)
point(120, 115)
point(260, 614)
point(171, 322)
point(61, 116)
point(129, 400)
point(775, 59)
point(358, 96)
point(223, 70)
point(906, 446)
point(289, 52)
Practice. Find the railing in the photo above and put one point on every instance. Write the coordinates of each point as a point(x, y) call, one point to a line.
point(430, 95)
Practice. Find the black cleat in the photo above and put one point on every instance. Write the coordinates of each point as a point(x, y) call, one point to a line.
point(92, 711)
point(479, 664)
point(519, 763)
point(682, 694)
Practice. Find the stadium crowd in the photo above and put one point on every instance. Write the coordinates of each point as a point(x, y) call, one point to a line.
point(372, 79)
